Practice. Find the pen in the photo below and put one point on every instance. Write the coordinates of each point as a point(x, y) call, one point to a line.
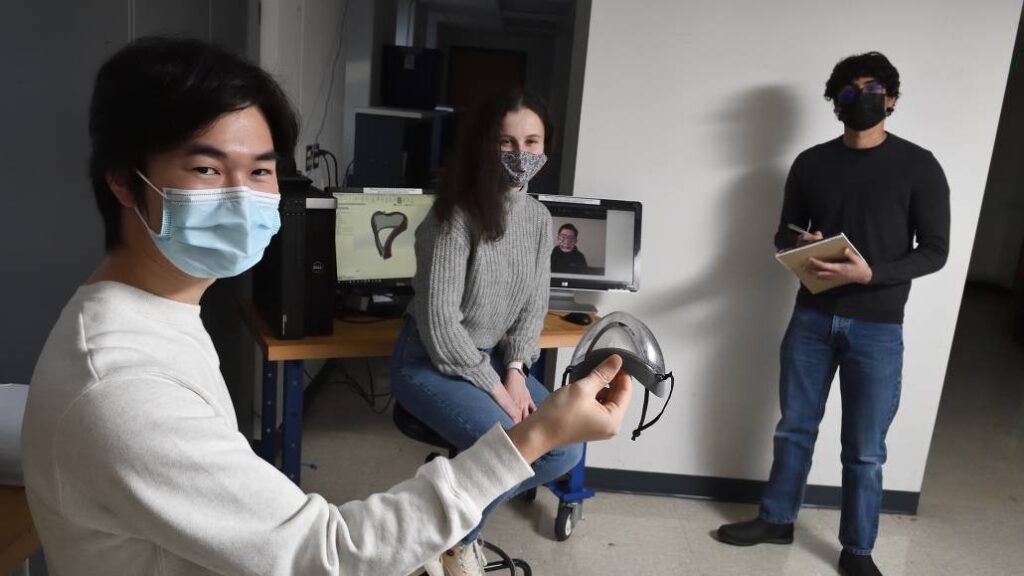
point(797, 229)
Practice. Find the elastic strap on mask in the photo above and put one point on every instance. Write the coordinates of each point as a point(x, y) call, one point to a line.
point(143, 220)
point(151, 185)
point(136, 207)
point(643, 412)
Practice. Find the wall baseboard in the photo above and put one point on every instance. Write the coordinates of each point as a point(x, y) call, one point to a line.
point(729, 489)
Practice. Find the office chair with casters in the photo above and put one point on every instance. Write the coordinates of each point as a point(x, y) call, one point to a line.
point(414, 428)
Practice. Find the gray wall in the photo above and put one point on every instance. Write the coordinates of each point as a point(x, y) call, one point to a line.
point(50, 232)
point(574, 94)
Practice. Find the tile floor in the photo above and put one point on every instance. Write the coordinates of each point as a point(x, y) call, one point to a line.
point(971, 518)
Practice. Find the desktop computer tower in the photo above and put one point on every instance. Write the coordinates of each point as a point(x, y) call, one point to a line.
point(278, 281)
point(321, 267)
point(294, 283)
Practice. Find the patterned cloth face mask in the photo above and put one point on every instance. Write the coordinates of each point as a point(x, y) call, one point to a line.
point(518, 167)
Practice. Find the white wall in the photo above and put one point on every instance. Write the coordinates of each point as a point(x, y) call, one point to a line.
point(997, 246)
point(359, 50)
point(298, 43)
point(697, 109)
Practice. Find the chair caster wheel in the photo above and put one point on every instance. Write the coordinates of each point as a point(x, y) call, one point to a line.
point(565, 522)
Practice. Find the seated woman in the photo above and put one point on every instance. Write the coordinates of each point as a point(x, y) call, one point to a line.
point(482, 272)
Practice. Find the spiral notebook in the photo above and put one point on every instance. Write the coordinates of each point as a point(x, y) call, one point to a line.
point(830, 249)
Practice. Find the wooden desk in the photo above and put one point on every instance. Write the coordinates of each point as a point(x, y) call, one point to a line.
point(18, 538)
point(349, 340)
point(374, 339)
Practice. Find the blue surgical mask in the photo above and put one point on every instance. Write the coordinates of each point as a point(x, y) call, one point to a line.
point(216, 232)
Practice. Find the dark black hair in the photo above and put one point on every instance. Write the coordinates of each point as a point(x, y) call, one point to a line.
point(871, 64)
point(570, 227)
point(155, 93)
point(473, 184)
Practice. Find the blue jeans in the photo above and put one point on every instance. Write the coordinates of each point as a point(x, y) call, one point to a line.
point(869, 357)
point(461, 413)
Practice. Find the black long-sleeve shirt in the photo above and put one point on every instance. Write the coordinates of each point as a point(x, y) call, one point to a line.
point(568, 262)
point(882, 198)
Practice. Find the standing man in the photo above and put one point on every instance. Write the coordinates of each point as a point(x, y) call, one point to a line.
point(565, 257)
point(883, 192)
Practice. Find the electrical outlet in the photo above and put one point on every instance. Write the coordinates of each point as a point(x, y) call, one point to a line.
point(312, 157)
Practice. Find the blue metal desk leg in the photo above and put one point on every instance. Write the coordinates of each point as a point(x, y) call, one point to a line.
point(569, 488)
point(291, 457)
point(268, 435)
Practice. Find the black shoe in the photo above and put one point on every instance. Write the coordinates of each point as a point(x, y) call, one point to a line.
point(855, 565)
point(755, 531)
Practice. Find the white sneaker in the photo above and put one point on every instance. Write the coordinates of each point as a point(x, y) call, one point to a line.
point(433, 567)
point(465, 560)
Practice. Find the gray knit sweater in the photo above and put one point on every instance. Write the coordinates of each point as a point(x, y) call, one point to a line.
point(471, 297)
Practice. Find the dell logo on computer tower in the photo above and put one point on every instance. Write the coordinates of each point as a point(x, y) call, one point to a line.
point(294, 284)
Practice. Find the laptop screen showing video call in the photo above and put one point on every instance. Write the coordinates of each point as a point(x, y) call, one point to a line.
point(594, 242)
point(374, 236)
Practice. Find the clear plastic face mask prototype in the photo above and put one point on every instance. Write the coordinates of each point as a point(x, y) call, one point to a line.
point(622, 334)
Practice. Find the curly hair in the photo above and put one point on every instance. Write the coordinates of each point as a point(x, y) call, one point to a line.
point(871, 64)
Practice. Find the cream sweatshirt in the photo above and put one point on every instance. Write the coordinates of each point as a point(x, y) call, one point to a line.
point(134, 463)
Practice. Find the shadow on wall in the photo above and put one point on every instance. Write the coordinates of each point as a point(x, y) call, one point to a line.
point(741, 303)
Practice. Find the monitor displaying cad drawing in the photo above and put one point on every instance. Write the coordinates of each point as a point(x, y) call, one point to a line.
point(374, 236)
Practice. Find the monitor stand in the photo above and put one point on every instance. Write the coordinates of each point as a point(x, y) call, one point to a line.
point(565, 301)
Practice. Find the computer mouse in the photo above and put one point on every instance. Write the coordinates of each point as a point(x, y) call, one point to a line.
point(581, 318)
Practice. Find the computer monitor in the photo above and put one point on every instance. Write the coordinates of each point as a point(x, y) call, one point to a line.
point(597, 247)
point(374, 237)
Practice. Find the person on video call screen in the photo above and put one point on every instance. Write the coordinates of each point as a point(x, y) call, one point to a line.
point(565, 257)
